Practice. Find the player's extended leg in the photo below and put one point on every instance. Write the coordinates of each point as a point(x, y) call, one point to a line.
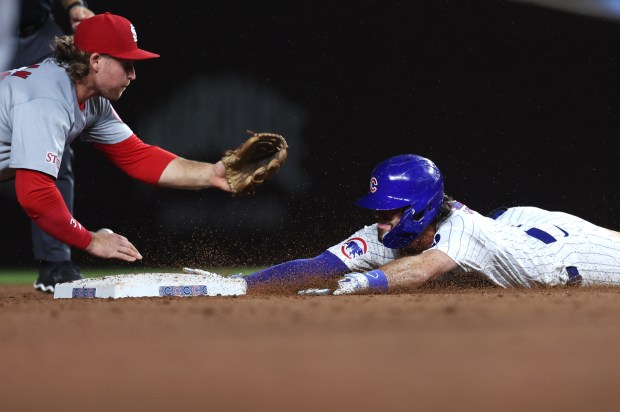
point(53, 255)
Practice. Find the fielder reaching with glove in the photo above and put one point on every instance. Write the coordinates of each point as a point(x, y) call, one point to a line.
point(255, 161)
point(45, 106)
point(420, 234)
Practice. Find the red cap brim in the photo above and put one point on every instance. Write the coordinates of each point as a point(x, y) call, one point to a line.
point(137, 54)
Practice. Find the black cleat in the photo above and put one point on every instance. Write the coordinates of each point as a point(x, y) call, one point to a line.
point(51, 273)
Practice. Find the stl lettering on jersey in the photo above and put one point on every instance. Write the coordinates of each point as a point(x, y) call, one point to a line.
point(52, 158)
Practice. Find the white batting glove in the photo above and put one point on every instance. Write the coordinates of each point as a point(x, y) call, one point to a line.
point(351, 283)
point(374, 281)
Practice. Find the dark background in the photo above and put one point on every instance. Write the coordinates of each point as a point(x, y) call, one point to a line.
point(517, 104)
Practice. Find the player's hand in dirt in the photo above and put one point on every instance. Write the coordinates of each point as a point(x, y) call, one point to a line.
point(349, 284)
point(352, 283)
point(373, 281)
point(109, 245)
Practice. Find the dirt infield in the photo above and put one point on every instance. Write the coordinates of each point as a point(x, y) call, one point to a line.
point(439, 349)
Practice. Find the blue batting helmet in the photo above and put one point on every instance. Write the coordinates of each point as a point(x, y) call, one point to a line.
point(405, 181)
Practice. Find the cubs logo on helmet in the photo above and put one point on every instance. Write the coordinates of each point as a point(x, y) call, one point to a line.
point(373, 184)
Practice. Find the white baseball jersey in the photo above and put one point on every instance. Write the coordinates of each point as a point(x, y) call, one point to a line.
point(525, 246)
point(363, 251)
point(40, 114)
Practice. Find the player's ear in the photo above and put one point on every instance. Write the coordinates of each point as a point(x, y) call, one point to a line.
point(95, 61)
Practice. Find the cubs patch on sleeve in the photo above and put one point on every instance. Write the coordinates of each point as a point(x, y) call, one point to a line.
point(363, 251)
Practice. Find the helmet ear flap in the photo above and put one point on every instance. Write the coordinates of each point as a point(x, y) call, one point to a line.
point(413, 223)
point(419, 215)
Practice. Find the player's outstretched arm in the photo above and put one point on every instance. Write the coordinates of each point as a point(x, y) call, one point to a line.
point(189, 174)
point(154, 165)
point(299, 272)
point(406, 272)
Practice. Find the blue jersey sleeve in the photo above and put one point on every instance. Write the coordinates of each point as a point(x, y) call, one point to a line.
point(324, 266)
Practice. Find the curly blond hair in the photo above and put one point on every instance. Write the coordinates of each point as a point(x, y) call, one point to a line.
point(74, 60)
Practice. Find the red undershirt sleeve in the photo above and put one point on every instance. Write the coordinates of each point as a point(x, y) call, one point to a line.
point(38, 195)
point(137, 159)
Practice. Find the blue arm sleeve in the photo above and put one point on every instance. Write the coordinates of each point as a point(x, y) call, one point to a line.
point(324, 266)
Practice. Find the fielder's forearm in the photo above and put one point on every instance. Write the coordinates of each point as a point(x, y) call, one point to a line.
point(187, 174)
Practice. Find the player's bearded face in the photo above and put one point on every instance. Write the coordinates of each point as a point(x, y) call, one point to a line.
point(422, 242)
point(114, 76)
point(386, 220)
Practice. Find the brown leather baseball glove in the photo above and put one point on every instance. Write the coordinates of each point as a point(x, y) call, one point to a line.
point(255, 161)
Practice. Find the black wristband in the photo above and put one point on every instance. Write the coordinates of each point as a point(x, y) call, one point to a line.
point(77, 3)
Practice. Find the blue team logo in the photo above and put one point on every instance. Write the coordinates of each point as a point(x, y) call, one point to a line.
point(356, 246)
point(373, 184)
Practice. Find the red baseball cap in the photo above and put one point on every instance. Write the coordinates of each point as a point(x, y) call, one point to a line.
point(112, 35)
